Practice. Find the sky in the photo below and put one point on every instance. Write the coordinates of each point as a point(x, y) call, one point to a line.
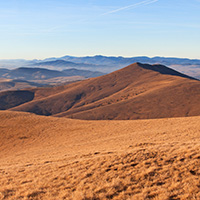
point(37, 29)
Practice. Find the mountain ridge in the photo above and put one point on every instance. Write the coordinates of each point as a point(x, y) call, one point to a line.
point(134, 92)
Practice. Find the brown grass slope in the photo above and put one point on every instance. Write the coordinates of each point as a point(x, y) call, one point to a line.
point(58, 158)
point(10, 84)
point(137, 91)
point(9, 99)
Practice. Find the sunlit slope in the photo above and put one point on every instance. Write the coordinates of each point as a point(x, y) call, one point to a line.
point(138, 91)
point(58, 158)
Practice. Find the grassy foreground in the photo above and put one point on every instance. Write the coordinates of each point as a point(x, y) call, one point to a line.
point(57, 158)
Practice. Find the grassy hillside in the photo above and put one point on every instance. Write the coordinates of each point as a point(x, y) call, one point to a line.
point(138, 91)
point(57, 158)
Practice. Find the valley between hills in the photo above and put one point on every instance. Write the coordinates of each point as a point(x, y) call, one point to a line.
point(131, 134)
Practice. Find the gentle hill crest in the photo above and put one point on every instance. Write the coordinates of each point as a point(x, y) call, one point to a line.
point(137, 91)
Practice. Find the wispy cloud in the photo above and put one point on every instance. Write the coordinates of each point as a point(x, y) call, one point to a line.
point(142, 3)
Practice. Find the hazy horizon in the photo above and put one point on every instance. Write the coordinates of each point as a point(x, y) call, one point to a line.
point(60, 56)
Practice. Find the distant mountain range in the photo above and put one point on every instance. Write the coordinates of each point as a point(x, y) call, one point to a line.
point(105, 64)
point(113, 61)
point(63, 64)
point(24, 73)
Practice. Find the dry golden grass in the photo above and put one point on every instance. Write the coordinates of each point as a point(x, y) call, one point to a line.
point(57, 158)
point(59, 80)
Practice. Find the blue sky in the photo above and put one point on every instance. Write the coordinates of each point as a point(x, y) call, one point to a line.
point(47, 28)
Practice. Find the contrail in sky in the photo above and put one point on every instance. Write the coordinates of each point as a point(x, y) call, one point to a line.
point(142, 3)
point(131, 6)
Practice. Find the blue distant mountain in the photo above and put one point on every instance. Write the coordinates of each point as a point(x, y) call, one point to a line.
point(112, 61)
